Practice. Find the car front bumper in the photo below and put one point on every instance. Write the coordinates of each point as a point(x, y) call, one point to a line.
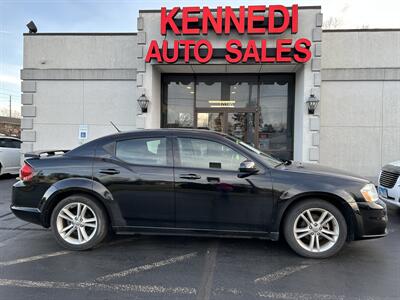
point(390, 195)
point(371, 219)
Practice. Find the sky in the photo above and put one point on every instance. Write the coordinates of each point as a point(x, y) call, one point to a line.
point(120, 16)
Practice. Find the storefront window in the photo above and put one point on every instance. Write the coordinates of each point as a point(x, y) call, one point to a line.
point(241, 126)
point(226, 91)
point(257, 109)
point(178, 101)
point(275, 132)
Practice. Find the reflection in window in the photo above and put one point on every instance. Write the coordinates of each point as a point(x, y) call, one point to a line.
point(241, 126)
point(198, 153)
point(232, 91)
point(143, 151)
point(179, 101)
point(274, 136)
point(210, 121)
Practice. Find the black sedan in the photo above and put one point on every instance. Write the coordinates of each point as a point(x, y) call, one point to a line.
point(193, 182)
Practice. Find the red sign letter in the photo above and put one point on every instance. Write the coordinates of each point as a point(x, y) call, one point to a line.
point(153, 52)
point(186, 19)
point(197, 51)
point(230, 16)
point(175, 52)
point(168, 19)
point(264, 54)
point(235, 51)
point(251, 52)
point(295, 18)
point(280, 50)
point(186, 49)
point(251, 18)
point(271, 18)
point(302, 54)
point(215, 23)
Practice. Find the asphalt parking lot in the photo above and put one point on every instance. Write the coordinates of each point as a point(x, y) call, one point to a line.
point(33, 266)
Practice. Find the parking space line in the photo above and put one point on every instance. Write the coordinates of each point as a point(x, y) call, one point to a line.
point(208, 273)
point(154, 289)
point(305, 296)
point(294, 296)
point(23, 229)
point(280, 274)
point(157, 289)
point(147, 267)
point(48, 255)
point(32, 258)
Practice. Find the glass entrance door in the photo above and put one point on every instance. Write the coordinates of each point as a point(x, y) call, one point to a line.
point(238, 124)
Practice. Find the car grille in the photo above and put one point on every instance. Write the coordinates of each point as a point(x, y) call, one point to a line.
point(388, 179)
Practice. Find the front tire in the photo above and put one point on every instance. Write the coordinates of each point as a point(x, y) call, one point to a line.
point(315, 229)
point(78, 222)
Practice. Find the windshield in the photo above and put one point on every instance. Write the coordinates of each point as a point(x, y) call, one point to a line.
point(268, 159)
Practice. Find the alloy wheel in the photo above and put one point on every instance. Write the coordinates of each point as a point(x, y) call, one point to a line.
point(316, 230)
point(76, 223)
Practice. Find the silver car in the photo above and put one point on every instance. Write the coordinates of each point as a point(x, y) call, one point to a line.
point(389, 183)
point(10, 155)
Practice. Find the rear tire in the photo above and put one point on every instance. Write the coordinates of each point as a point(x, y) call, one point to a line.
point(315, 229)
point(78, 223)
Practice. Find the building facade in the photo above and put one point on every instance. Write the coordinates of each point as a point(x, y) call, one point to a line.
point(74, 83)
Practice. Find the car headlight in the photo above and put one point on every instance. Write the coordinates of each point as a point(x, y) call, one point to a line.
point(369, 193)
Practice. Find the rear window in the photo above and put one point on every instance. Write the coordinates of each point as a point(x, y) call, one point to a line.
point(147, 151)
point(9, 143)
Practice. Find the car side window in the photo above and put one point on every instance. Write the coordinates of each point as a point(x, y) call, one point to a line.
point(16, 144)
point(148, 151)
point(205, 154)
point(7, 143)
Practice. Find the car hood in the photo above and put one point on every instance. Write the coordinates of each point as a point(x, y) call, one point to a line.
point(393, 167)
point(322, 170)
point(395, 163)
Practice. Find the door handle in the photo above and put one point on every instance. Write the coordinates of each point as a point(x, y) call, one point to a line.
point(213, 179)
point(189, 176)
point(109, 171)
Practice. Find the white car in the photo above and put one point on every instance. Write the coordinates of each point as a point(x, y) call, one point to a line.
point(389, 183)
point(10, 155)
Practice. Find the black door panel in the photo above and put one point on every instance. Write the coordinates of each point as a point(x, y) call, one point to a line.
point(213, 198)
point(144, 193)
point(222, 201)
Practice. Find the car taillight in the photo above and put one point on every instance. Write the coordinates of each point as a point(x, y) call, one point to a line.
point(26, 172)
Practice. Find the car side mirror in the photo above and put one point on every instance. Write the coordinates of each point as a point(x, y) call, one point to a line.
point(247, 168)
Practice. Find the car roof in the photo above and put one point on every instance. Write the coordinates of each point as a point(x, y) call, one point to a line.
point(9, 137)
point(164, 131)
point(142, 133)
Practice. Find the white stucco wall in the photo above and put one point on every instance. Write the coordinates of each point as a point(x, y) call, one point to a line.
point(360, 124)
point(80, 51)
point(74, 80)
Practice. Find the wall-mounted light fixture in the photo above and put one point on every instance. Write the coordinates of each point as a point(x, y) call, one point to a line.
point(143, 103)
point(312, 104)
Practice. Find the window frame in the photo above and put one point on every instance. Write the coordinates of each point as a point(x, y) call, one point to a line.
point(177, 158)
point(169, 163)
